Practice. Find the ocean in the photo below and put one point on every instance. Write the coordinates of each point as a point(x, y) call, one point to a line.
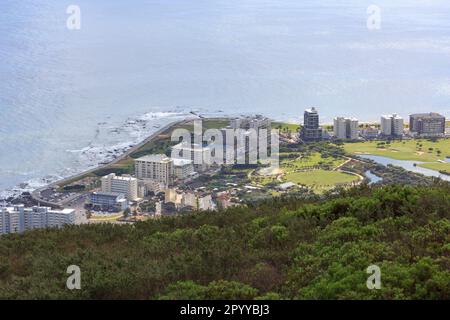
point(68, 98)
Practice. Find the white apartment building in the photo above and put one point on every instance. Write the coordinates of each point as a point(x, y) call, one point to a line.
point(345, 128)
point(183, 168)
point(197, 153)
point(252, 122)
point(126, 185)
point(18, 218)
point(391, 125)
point(157, 167)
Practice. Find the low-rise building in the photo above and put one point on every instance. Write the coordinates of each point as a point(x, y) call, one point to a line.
point(195, 200)
point(109, 201)
point(224, 200)
point(370, 133)
point(183, 168)
point(18, 218)
point(126, 185)
point(147, 186)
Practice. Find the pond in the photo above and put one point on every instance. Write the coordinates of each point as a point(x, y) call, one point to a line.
point(372, 177)
point(407, 165)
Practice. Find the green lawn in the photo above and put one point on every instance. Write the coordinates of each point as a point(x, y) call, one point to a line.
point(415, 150)
point(285, 126)
point(438, 166)
point(312, 160)
point(320, 178)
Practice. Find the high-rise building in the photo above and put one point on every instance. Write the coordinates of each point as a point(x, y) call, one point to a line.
point(257, 122)
point(427, 124)
point(311, 130)
point(126, 185)
point(157, 167)
point(18, 218)
point(392, 125)
point(197, 153)
point(245, 139)
point(345, 128)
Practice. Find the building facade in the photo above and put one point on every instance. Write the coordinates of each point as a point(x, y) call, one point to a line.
point(345, 128)
point(429, 124)
point(392, 125)
point(183, 169)
point(109, 201)
point(18, 218)
point(157, 167)
point(370, 133)
point(197, 153)
point(311, 130)
point(126, 185)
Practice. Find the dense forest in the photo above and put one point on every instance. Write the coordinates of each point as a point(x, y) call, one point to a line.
point(288, 248)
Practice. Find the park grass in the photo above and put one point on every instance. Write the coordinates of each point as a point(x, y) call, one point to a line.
point(283, 126)
point(438, 166)
point(320, 179)
point(312, 176)
point(312, 160)
point(414, 150)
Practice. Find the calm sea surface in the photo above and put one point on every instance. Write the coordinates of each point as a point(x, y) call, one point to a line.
point(67, 98)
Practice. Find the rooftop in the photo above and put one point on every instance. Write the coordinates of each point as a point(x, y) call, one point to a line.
point(181, 162)
point(124, 178)
point(429, 115)
point(109, 194)
point(155, 158)
point(311, 110)
point(394, 116)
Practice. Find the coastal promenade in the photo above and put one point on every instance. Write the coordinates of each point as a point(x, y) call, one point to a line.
point(36, 194)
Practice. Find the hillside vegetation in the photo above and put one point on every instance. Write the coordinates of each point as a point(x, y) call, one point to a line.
point(284, 249)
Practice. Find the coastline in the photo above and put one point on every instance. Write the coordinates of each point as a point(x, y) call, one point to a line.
point(35, 194)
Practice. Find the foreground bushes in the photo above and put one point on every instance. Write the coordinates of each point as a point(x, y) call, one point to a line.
point(284, 249)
